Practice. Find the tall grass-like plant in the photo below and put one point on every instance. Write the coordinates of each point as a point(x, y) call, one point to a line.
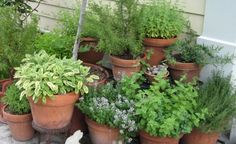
point(219, 97)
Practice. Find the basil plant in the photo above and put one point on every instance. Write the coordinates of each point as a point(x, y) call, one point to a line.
point(42, 76)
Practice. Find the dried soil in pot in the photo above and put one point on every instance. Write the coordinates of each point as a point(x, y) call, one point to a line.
point(198, 137)
point(123, 67)
point(56, 113)
point(102, 134)
point(145, 138)
point(19, 125)
point(157, 47)
point(91, 56)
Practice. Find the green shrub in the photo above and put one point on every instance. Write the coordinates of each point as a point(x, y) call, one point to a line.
point(164, 20)
point(15, 40)
point(119, 28)
point(219, 97)
point(190, 52)
point(13, 102)
point(42, 76)
point(167, 110)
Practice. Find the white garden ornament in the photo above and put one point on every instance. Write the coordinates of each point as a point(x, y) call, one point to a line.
point(75, 138)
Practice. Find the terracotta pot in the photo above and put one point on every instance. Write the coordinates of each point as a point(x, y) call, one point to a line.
point(191, 70)
point(56, 113)
point(19, 125)
point(123, 67)
point(99, 68)
point(151, 77)
point(157, 47)
point(198, 137)
point(4, 84)
point(102, 134)
point(91, 56)
point(145, 138)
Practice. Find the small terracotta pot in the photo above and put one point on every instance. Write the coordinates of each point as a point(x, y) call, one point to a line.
point(102, 134)
point(151, 77)
point(157, 47)
point(20, 125)
point(100, 81)
point(198, 137)
point(91, 56)
point(56, 113)
point(145, 138)
point(191, 70)
point(123, 67)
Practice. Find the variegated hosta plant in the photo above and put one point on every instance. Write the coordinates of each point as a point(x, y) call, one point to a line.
point(41, 76)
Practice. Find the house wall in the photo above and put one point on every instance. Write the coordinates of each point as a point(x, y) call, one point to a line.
point(193, 10)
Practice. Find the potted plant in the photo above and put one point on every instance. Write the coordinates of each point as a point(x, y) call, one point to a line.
point(17, 114)
point(120, 36)
point(52, 87)
point(167, 111)
point(77, 114)
point(109, 115)
point(152, 71)
point(88, 51)
point(218, 95)
point(162, 22)
point(187, 57)
point(15, 41)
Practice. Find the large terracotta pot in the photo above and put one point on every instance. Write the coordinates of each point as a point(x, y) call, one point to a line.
point(19, 125)
point(56, 113)
point(3, 84)
point(102, 134)
point(198, 137)
point(123, 67)
point(191, 70)
point(78, 118)
point(91, 56)
point(145, 138)
point(157, 47)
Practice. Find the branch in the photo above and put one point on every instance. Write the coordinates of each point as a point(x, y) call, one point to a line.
point(77, 38)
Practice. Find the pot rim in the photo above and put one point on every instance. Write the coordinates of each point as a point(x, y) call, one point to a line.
point(126, 63)
point(16, 118)
point(92, 122)
point(88, 39)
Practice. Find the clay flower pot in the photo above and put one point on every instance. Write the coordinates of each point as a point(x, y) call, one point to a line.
point(145, 138)
point(56, 113)
point(191, 70)
point(198, 137)
point(91, 56)
point(157, 47)
point(102, 134)
point(121, 67)
point(150, 77)
point(20, 125)
point(78, 118)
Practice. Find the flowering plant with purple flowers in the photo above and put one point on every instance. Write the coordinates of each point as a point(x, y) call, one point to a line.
point(106, 105)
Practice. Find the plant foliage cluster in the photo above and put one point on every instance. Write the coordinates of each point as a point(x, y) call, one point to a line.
point(189, 51)
point(120, 32)
point(219, 97)
point(162, 19)
point(15, 40)
point(13, 102)
point(42, 76)
point(168, 110)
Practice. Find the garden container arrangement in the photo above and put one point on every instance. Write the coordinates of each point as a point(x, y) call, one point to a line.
point(120, 36)
point(52, 86)
point(166, 111)
point(219, 97)
point(17, 114)
point(162, 22)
